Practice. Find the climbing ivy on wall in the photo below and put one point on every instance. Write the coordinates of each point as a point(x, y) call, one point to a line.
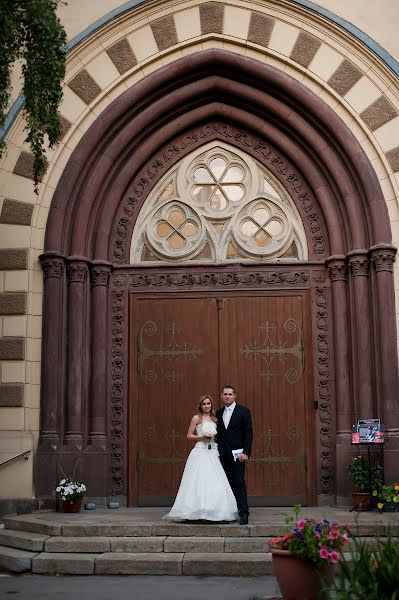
point(31, 31)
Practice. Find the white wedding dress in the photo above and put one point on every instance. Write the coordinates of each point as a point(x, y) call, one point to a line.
point(204, 491)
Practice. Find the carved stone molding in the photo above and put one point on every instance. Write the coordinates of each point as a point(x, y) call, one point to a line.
point(256, 147)
point(337, 268)
point(383, 257)
point(99, 273)
point(52, 265)
point(327, 483)
point(228, 279)
point(77, 271)
point(359, 263)
point(118, 391)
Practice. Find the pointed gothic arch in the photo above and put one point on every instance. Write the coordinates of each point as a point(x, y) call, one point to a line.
point(212, 95)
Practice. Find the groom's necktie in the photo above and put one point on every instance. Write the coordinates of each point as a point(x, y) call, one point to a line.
point(227, 416)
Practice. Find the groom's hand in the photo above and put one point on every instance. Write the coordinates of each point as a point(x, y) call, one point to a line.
point(243, 457)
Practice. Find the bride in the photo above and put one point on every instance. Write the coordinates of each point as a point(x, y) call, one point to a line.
point(204, 491)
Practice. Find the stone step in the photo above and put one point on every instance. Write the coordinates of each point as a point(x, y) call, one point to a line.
point(34, 542)
point(130, 563)
point(169, 544)
point(15, 560)
point(74, 526)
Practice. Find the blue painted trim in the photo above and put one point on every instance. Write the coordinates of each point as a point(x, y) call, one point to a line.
point(355, 32)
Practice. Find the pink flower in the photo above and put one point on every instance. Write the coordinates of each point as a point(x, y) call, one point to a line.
point(334, 557)
point(334, 534)
point(301, 523)
point(323, 552)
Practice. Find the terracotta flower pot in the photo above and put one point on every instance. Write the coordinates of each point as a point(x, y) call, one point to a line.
point(361, 500)
point(72, 506)
point(300, 579)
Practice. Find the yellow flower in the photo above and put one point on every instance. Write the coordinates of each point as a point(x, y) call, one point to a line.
point(380, 505)
point(396, 499)
point(397, 486)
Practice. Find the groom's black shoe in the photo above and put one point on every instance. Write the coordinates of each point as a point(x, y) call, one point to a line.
point(243, 520)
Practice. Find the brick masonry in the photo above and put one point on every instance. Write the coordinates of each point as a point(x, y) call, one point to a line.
point(11, 394)
point(260, 29)
point(13, 259)
point(85, 87)
point(12, 303)
point(122, 56)
point(164, 31)
point(12, 349)
point(305, 48)
point(211, 15)
point(14, 212)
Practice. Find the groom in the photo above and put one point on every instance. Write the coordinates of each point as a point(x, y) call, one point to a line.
point(235, 433)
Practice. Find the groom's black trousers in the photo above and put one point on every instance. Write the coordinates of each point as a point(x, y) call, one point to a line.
point(235, 472)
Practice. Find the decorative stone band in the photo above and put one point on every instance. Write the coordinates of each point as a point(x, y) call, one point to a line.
point(100, 272)
point(337, 268)
point(383, 257)
point(359, 263)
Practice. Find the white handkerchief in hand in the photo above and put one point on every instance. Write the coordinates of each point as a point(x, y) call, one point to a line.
point(237, 453)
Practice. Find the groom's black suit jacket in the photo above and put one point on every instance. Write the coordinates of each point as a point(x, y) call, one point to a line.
point(238, 433)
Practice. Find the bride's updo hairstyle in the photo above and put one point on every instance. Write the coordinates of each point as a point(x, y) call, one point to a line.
point(200, 411)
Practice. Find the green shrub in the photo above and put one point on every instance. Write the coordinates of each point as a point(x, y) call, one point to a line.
point(370, 573)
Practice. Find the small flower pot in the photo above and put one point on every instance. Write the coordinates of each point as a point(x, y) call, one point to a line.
point(72, 506)
point(361, 501)
point(299, 578)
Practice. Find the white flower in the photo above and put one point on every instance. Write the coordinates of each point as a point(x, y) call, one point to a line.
point(209, 428)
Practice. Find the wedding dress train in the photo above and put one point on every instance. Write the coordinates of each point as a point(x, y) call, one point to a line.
point(204, 491)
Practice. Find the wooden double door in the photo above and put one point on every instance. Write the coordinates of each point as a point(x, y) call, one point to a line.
point(184, 346)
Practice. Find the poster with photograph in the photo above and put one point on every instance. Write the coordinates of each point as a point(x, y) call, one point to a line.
point(368, 431)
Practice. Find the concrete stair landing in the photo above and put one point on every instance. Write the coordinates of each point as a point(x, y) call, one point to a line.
point(137, 542)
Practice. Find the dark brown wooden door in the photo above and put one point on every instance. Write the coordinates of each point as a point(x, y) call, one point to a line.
point(183, 347)
point(174, 361)
point(262, 350)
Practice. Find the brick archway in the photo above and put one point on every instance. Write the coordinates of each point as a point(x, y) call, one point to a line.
point(212, 95)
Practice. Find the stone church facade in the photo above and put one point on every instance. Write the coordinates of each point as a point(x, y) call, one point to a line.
point(222, 208)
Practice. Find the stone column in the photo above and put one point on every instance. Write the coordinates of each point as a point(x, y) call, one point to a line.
point(383, 257)
point(77, 364)
point(52, 364)
point(361, 316)
point(338, 273)
point(100, 272)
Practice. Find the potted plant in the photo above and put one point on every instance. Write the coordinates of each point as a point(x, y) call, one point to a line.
point(387, 497)
point(359, 471)
point(71, 493)
point(305, 557)
point(369, 570)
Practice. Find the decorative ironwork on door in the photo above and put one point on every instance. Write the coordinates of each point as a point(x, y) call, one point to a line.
point(268, 351)
point(172, 352)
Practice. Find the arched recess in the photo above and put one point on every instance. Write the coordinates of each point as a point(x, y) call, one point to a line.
point(203, 97)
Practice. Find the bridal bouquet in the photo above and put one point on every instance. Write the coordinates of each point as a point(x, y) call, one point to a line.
point(209, 428)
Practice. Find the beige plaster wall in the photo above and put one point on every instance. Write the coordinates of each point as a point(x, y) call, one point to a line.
point(345, 75)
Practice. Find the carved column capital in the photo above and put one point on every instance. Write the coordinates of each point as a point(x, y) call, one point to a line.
point(100, 273)
point(52, 264)
point(383, 257)
point(77, 269)
point(337, 268)
point(359, 263)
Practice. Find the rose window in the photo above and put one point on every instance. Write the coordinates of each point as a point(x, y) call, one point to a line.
point(218, 205)
point(218, 184)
